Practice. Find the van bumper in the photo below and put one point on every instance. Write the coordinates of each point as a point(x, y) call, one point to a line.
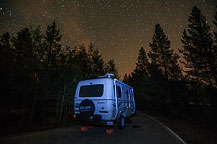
point(95, 119)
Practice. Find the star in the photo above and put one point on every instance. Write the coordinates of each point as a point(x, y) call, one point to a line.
point(118, 29)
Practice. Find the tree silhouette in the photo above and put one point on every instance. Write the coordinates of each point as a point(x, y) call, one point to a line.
point(83, 61)
point(111, 68)
point(52, 43)
point(160, 53)
point(198, 49)
point(142, 62)
point(164, 60)
point(175, 70)
point(215, 49)
point(7, 64)
point(138, 79)
point(126, 79)
point(96, 61)
point(39, 77)
point(215, 23)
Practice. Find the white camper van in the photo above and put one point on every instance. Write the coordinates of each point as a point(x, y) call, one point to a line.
point(104, 100)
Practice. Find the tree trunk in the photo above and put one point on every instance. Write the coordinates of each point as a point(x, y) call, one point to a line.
point(61, 107)
point(34, 101)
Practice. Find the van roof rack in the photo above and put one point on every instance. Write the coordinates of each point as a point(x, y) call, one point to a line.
point(108, 75)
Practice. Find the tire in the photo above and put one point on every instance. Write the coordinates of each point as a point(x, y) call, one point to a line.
point(121, 122)
point(87, 109)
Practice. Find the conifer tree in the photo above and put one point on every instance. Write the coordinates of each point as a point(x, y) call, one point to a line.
point(23, 44)
point(52, 43)
point(215, 23)
point(52, 82)
point(198, 51)
point(212, 91)
point(83, 62)
point(126, 79)
point(215, 48)
point(110, 67)
point(142, 61)
point(175, 70)
point(164, 61)
point(38, 46)
point(140, 80)
point(7, 63)
point(96, 61)
point(25, 64)
point(6, 53)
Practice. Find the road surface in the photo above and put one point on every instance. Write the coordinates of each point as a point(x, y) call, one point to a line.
point(143, 129)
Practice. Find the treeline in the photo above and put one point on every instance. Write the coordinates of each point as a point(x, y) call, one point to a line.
point(38, 77)
point(162, 85)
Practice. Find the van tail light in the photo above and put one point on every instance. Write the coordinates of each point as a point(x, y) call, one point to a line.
point(103, 111)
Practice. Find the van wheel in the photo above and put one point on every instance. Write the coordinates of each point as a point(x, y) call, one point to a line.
point(87, 109)
point(121, 122)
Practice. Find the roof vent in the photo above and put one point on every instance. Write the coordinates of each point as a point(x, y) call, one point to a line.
point(108, 75)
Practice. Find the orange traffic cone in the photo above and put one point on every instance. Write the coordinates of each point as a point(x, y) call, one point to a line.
point(110, 131)
point(84, 128)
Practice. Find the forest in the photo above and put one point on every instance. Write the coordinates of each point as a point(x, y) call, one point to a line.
point(39, 75)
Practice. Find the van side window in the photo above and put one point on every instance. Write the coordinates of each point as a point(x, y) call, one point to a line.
point(118, 91)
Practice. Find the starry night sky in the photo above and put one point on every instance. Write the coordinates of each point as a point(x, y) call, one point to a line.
point(118, 28)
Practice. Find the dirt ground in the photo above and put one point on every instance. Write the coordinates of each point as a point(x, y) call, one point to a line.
point(143, 130)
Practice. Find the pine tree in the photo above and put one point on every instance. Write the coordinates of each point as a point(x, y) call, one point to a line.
point(83, 62)
point(25, 65)
point(25, 59)
point(142, 61)
point(39, 53)
point(96, 61)
point(39, 50)
point(212, 91)
point(68, 78)
point(6, 53)
point(175, 70)
point(215, 23)
point(7, 63)
point(164, 61)
point(52, 43)
point(215, 49)
point(23, 44)
point(52, 82)
point(140, 80)
point(198, 51)
point(110, 67)
point(159, 53)
point(126, 79)
point(52, 50)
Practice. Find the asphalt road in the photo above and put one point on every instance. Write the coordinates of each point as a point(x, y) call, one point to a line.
point(143, 129)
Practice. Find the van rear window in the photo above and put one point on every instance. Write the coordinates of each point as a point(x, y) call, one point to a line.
point(91, 90)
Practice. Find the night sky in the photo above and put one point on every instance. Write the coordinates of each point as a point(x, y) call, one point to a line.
point(118, 28)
